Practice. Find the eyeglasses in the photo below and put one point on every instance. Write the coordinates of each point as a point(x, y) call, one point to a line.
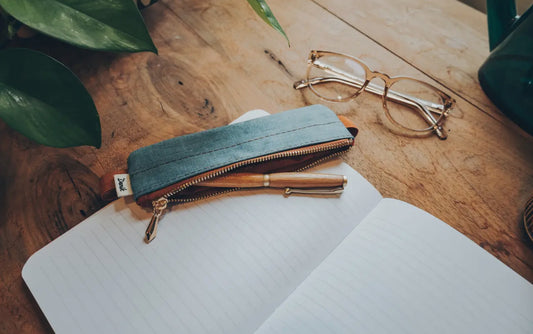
point(413, 106)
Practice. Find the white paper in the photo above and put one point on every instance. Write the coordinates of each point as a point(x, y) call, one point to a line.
point(403, 271)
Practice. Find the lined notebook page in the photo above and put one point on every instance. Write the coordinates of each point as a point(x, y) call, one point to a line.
point(403, 271)
point(218, 266)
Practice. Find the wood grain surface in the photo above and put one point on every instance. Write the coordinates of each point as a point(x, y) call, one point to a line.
point(217, 60)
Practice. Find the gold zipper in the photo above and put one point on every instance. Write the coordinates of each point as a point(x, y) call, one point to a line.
point(161, 204)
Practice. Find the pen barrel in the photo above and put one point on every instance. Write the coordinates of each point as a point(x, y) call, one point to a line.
point(277, 180)
point(306, 180)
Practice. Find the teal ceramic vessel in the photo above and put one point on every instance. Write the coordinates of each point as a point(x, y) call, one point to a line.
point(507, 74)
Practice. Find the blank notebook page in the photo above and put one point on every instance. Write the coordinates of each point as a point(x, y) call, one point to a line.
point(403, 271)
point(221, 265)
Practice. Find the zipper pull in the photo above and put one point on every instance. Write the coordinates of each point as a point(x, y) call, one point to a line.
point(159, 207)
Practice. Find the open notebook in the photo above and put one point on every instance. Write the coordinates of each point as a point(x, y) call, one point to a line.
point(259, 262)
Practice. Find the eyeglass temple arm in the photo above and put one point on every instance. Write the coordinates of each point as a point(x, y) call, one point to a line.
point(374, 89)
point(351, 79)
point(423, 107)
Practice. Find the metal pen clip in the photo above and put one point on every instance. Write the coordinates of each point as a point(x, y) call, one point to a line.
point(314, 191)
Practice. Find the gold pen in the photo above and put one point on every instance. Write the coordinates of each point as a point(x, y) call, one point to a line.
point(301, 183)
point(309, 183)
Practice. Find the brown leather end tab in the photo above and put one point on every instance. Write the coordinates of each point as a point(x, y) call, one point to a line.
point(107, 185)
point(349, 125)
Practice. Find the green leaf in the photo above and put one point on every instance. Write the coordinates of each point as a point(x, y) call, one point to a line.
point(262, 9)
point(108, 25)
point(45, 101)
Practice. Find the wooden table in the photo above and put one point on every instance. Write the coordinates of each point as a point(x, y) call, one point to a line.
point(217, 60)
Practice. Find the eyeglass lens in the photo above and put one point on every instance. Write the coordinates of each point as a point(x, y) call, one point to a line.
point(410, 103)
point(336, 78)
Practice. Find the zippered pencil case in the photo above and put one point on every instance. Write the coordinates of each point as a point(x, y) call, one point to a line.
point(166, 172)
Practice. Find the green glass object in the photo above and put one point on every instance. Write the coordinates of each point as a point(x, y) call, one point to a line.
point(507, 74)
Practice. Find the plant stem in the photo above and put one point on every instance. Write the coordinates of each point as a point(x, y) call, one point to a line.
point(8, 27)
point(3, 28)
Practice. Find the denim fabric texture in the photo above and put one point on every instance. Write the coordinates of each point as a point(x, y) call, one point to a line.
point(160, 165)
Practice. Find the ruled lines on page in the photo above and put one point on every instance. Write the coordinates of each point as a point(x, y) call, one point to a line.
point(403, 271)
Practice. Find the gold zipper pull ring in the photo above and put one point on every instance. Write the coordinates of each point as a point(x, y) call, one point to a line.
point(159, 207)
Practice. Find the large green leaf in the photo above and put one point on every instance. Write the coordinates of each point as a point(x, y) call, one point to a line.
point(45, 101)
point(262, 9)
point(109, 25)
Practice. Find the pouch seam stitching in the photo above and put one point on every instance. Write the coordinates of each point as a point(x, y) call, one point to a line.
point(227, 147)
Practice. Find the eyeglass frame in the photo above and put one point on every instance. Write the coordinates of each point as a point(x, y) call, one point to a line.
point(424, 107)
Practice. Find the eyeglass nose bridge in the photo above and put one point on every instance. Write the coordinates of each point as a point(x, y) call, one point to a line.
point(376, 88)
point(376, 74)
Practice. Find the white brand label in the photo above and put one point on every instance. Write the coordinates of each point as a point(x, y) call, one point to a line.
point(123, 185)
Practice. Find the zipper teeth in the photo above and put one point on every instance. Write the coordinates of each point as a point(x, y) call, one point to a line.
point(319, 161)
point(285, 154)
point(229, 190)
point(199, 198)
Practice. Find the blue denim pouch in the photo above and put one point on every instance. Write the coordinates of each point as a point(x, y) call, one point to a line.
point(287, 141)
